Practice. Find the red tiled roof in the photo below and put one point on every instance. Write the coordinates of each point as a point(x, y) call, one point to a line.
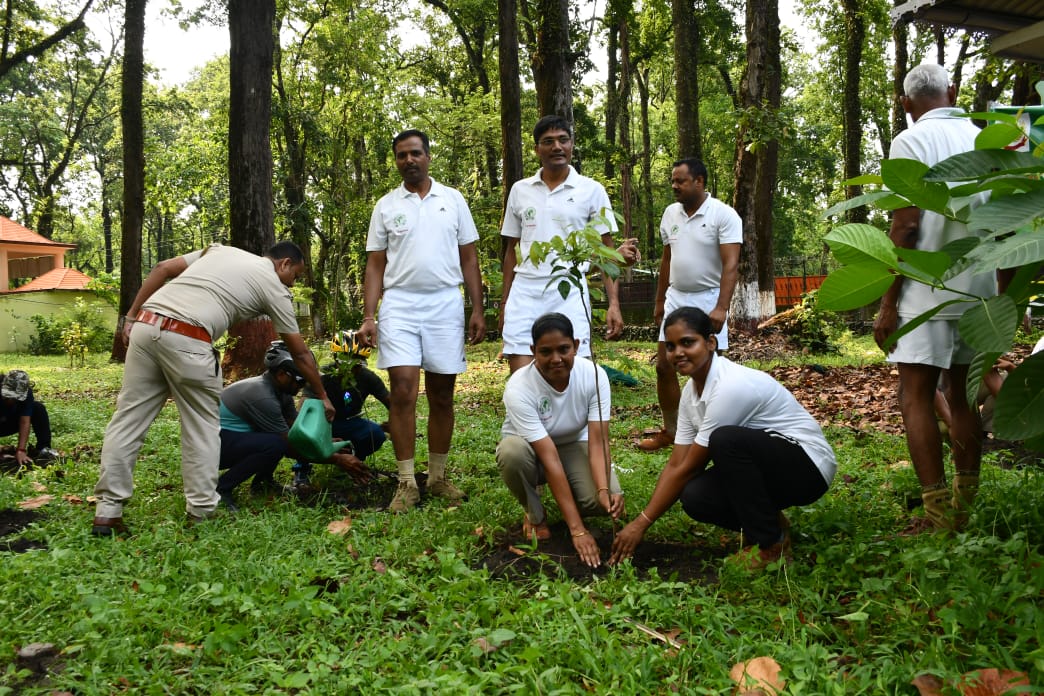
point(57, 279)
point(11, 231)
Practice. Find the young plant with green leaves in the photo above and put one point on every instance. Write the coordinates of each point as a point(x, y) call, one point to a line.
point(1012, 237)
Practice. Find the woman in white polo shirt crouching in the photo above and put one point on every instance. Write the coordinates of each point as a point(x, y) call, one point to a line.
point(768, 453)
point(557, 432)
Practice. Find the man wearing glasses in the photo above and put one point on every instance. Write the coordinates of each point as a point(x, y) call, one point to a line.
point(552, 203)
point(256, 415)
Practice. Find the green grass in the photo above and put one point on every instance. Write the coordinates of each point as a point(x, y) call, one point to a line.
point(270, 602)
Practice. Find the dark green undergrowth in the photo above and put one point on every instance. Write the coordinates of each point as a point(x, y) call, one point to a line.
point(270, 602)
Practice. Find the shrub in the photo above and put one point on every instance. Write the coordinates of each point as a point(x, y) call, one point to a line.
point(55, 334)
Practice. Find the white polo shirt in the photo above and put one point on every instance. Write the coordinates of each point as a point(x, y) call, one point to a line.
point(695, 242)
point(422, 237)
point(936, 135)
point(535, 213)
point(536, 410)
point(738, 395)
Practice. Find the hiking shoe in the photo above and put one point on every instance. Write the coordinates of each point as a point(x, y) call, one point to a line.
point(656, 441)
point(965, 488)
point(108, 526)
point(265, 486)
point(757, 558)
point(46, 455)
point(229, 501)
point(406, 497)
point(444, 489)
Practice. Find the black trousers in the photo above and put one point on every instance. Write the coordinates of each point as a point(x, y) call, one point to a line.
point(754, 474)
point(249, 454)
point(39, 421)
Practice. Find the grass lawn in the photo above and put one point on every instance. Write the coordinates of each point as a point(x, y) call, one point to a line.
point(270, 601)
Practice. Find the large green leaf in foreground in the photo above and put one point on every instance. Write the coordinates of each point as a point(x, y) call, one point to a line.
point(1020, 403)
point(851, 287)
point(988, 326)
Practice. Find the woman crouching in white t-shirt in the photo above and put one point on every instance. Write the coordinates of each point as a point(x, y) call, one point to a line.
point(557, 432)
point(768, 453)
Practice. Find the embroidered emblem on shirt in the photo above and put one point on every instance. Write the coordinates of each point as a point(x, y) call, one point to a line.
point(399, 220)
point(544, 409)
point(529, 214)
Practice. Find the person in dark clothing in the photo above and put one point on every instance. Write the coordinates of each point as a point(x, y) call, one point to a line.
point(19, 413)
point(348, 382)
point(256, 415)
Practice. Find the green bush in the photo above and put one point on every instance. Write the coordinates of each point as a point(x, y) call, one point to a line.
point(53, 333)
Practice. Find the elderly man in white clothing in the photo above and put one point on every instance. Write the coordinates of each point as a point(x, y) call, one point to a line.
point(939, 131)
point(699, 268)
point(420, 248)
point(766, 452)
point(552, 203)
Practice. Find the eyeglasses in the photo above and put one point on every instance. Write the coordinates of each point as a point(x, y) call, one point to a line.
point(561, 140)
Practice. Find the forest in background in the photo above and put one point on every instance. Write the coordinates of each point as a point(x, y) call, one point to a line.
point(778, 143)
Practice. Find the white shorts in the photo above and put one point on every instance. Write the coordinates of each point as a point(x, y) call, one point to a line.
point(935, 342)
point(528, 301)
point(422, 329)
point(705, 300)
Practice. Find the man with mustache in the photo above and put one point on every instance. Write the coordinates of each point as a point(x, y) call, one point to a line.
point(699, 268)
point(420, 248)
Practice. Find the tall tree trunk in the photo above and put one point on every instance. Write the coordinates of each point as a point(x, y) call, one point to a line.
point(649, 221)
point(133, 126)
point(612, 96)
point(510, 99)
point(554, 59)
point(768, 159)
point(626, 150)
point(686, 82)
point(752, 301)
point(900, 39)
point(251, 25)
point(851, 112)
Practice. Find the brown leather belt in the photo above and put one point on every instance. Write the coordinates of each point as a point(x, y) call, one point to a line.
point(169, 324)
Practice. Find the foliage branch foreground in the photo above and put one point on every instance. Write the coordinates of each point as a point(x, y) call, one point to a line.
point(1013, 222)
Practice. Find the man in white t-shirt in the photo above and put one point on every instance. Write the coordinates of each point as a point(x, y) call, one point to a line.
point(699, 268)
point(552, 203)
point(420, 248)
point(169, 331)
point(939, 132)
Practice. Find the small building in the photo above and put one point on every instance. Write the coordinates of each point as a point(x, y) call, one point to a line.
point(52, 289)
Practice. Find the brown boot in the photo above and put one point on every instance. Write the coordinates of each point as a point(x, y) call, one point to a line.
point(965, 488)
point(937, 506)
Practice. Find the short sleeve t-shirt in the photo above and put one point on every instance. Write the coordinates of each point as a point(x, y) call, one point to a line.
point(421, 237)
point(256, 405)
point(348, 397)
point(738, 395)
point(696, 241)
point(535, 213)
point(536, 410)
point(937, 135)
point(223, 286)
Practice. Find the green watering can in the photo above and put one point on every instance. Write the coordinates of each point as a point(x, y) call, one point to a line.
point(311, 436)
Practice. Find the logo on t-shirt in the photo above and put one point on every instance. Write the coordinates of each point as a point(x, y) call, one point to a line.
point(529, 214)
point(399, 220)
point(544, 409)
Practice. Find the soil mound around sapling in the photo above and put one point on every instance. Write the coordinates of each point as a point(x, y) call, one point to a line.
point(515, 558)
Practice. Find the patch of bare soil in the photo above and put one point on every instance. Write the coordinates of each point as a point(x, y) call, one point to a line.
point(515, 558)
point(343, 491)
point(13, 522)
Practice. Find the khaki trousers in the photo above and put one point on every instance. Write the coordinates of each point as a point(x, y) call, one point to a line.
point(161, 364)
point(522, 473)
